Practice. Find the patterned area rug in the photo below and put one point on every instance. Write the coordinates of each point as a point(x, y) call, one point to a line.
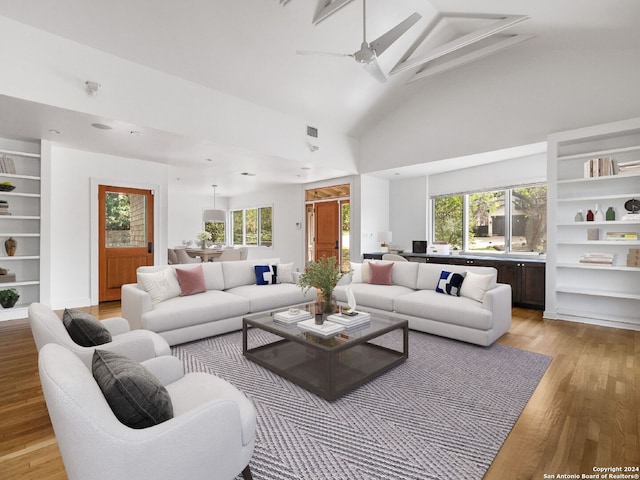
point(443, 414)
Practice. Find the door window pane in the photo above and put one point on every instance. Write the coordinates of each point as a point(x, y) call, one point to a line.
point(529, 219)
point(125, 220)
point(486, 221)
point(447, 220)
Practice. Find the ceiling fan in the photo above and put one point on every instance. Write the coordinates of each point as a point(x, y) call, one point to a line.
point(369, 52)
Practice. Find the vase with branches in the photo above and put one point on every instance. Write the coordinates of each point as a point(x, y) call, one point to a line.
point(324, 275)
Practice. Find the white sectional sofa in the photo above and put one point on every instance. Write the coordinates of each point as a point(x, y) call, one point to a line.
point(480, 315)
point(231, 294)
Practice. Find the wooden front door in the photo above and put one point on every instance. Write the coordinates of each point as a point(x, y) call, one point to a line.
point(125, 237)
point(327, 230)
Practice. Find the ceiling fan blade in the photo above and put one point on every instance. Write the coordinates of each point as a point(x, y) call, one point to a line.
point(329, 54)
point(373, 68)
point(380, 44)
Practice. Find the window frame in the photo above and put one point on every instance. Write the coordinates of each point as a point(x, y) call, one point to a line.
point(508, 216)
point(259, 226)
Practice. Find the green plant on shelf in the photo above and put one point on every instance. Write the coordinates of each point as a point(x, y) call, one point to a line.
point(9, 297)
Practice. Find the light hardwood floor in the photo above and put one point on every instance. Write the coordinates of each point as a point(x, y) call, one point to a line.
point(585, 412)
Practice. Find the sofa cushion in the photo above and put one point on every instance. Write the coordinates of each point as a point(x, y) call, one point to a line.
point(182, 312)
point(475, 285)
point(191, 280)
point(450, 283)
point(135, 395)
point(213, 275)
point(285, 273)
point(237, 273)
point(160, 285)
point(381, 273)
point(444, 308)
point(266, 274)
point(84, 329)
point(429, 273)
point(271, 297)
point(370, 295)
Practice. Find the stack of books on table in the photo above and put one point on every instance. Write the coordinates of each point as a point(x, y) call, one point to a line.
point(289, 317)
point(327, 329)
point(622, 236)
point(4, 208)
point(629, 168)
point(597, 258)
point(351, 321)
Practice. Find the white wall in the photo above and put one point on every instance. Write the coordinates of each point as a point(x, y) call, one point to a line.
point(507, 173)
point(288, 208)
point(408, 201)
point(515, 98)
point(374, 211)
point(73, 206)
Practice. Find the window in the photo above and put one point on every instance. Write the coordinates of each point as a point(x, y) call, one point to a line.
point(510, 220)
point(217, 231)
point(252, 226)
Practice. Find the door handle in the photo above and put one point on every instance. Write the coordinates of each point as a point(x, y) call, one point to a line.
point(336, 247)
point(150, 247)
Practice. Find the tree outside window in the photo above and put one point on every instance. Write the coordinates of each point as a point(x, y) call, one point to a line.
point(529, 219)
point(485, 233)
point(217, 231)
point(447, 220)
point(252, 226)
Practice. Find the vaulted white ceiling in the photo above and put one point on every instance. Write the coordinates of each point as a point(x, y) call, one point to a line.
point(247, 48)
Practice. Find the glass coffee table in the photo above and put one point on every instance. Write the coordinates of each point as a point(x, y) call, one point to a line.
point(326, 366)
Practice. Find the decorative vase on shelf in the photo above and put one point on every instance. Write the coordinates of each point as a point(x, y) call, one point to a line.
point(589, 216)
point(10, 245)
point(610, 215)
point(579, 217)
point(324, 308)
point(598, 216)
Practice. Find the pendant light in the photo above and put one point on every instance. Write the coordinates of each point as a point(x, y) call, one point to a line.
point(214, 216)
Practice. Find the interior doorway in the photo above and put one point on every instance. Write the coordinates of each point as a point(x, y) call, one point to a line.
point(328, 223)
point(125, 237)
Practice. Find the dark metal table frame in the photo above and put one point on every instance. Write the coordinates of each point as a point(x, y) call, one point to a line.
point(328, 367)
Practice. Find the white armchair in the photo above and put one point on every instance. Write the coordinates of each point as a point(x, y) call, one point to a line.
point(211, 435)
point(139, 345)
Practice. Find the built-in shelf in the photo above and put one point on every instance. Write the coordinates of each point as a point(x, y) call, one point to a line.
point(17, 258)
point(591, 266)
point(604, 222)
point(20, 194)
point(19, 217)
point(617, 243)
point(598, 179)
point(595, 198)
point(600, 153)
point(20, 154)
point(593, 293)
point(19, 284)
point(596, 292)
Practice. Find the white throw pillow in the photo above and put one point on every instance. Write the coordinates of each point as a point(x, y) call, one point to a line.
point(356, 272)
point(161, 285)
point(285, 273)
point(475, 286)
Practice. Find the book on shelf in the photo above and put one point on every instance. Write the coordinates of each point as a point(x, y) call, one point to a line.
point(597, 258)
point(621, 236)
point(599, 167)
point(7, 165)
point(631, 167)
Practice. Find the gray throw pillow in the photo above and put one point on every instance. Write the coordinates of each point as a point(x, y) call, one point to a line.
point(134, 394)
point(84, 328)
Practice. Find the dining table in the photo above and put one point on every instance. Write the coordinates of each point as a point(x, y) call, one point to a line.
point(206, 254)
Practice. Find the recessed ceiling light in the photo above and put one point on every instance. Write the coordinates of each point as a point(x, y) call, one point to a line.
point(208, 159)
point(248, 174)
point(397, 174)
point(101, 126)
point(136, 132)
point(54, 131)
point(306, 168)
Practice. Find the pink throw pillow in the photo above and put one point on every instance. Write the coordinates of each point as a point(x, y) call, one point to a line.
point(381, 273)
point(191, 280)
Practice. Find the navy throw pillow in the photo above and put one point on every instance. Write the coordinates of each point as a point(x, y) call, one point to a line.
point(449, 283)
point(266, 274)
